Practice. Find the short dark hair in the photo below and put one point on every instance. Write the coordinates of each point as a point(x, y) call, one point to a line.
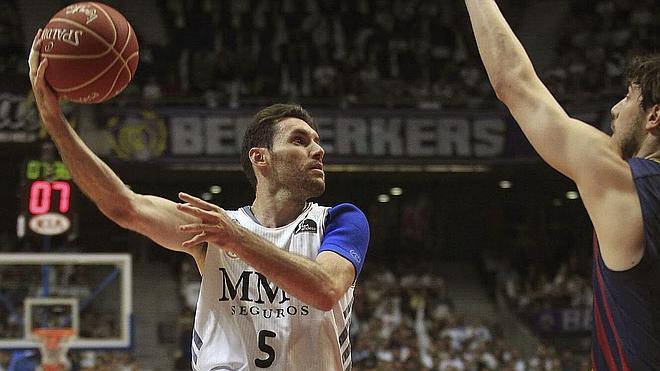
point(260, 132)
point(645, 72)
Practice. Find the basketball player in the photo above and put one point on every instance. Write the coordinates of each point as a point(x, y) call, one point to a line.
point(618, 178)
point(278, 275)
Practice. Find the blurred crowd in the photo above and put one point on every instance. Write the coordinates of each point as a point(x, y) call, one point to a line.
point(399, 53)
point(535, 285)
point(368, 52)
point(13, 63)
point(597, 42)
point(410, 323)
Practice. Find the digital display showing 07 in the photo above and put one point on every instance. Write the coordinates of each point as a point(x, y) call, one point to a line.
point(47, 196)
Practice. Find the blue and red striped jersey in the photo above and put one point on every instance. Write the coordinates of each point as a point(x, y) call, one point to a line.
point(626, 318)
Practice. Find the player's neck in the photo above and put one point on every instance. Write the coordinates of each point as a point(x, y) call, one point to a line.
point(653, 157)
point(650, 150)
point(276, 210)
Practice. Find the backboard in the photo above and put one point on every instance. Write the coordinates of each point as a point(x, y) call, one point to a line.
point(90, 293)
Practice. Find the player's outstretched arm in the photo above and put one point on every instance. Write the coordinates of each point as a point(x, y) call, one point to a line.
point(152, 216)
point(572, 147)
point(319, 283)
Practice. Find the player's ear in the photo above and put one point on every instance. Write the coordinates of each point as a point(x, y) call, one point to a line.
point(653, 120)
point(258, 156)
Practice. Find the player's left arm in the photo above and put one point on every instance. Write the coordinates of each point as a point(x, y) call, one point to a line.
point(346, 239)
point(319, 283)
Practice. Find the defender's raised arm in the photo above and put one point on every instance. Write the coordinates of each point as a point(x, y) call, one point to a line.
point(618, 178)
point(570, 146)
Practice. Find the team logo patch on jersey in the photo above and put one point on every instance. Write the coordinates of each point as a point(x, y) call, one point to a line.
point(355, 255)
point(306, 226)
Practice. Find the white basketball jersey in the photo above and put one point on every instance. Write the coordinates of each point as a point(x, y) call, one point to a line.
point(245, 322)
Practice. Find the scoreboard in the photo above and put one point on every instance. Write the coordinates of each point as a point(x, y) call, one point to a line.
point(46, 199)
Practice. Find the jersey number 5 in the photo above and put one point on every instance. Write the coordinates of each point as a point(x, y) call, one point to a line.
point(263, 363)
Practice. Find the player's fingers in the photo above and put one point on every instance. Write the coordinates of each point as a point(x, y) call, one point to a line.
point(36, 43)
point(192, 228)
point(188, 209)
point(198, 202)
point(33, 59)
point(41, 71)
point(199, 227)
point(206, 216)
point(196, 240)
point(191, 199)
point(34, 73)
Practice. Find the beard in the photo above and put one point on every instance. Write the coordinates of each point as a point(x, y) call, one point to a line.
point(298, 181)
point(304, 185)
point(313, 187)
point(629, 140)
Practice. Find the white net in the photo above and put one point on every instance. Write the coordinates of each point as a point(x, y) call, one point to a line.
point(54, 346)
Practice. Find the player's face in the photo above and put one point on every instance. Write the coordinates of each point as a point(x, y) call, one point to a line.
point(297, 158)
point(628, 122)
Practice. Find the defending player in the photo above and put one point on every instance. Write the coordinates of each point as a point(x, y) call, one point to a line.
point(277, 276)
point(618, 178)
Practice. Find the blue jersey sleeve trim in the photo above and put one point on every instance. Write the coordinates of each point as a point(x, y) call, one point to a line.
point(347, 234)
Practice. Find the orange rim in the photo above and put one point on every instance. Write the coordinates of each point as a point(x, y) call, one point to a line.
point(52, 336)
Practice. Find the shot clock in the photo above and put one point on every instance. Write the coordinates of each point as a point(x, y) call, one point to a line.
point(46, 199)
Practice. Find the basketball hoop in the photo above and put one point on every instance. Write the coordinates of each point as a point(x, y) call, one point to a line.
point(54, 344)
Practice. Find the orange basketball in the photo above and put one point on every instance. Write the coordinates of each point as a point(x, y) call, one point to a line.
point(92, 52)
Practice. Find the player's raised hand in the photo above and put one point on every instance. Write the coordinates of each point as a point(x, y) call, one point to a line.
point(214, 226)
point(46, 99)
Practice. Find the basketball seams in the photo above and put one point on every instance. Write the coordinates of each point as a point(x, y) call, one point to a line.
point(112, 22)
point(128, 41)
point(89, 81)
point(118, 55)
point(125, 67)
point(62, 18)
point(91, 32)
point(98, 31)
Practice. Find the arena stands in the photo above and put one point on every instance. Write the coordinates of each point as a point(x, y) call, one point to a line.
point(336, 53)
point(594, 48)
point(13, 68)
point(410, 324)
point(354, 53)
point(375, 53)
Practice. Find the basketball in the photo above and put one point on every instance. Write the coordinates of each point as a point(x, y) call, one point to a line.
point(92, 52)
